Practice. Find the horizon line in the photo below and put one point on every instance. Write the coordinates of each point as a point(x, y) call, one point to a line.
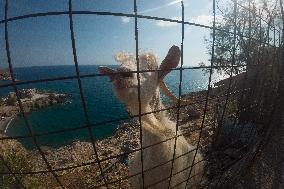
point(4, 68)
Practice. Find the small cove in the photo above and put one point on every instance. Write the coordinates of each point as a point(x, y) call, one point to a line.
point(101, 104)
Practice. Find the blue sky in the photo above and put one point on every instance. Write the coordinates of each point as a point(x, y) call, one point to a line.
point(46, 41)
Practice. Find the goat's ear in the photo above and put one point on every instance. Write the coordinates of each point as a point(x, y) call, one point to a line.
point(107, 71)
point(170, 62)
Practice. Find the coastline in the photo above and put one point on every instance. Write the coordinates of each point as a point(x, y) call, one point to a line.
point(4, 125)
point(31, 99)
point(125, 140)
point(8, 124)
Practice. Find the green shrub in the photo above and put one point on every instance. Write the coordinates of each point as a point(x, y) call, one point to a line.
point(18, 160)
point(16, 163)
point(12, 99)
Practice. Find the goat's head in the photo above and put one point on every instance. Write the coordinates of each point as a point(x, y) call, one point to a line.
point(124, 79)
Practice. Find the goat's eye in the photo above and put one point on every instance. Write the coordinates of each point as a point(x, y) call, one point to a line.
point(126, 74)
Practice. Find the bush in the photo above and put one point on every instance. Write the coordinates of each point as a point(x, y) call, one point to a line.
point(15, 163)
point(12, 99)
point(18, 161)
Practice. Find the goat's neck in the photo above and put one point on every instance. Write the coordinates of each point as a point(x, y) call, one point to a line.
point(145, 109)
point(149, 119)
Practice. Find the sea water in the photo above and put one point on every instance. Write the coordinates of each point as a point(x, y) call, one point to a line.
point(101, 104)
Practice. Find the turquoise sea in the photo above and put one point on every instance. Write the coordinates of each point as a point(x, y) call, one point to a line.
point(102, 105)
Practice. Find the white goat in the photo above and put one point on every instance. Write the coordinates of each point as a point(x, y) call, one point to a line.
point(156, 127)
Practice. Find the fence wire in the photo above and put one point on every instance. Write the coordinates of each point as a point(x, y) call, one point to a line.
point(218, 180)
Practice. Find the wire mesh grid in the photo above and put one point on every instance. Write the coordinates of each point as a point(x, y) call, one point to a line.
point(237, 35)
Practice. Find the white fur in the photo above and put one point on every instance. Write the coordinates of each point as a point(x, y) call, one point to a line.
point(155, 128)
